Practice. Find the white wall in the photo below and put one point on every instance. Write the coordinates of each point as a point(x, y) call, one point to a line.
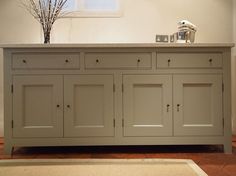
point(141, 21)
point(234, 25)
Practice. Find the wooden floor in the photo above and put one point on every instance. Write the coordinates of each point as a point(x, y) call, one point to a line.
point(210, 158)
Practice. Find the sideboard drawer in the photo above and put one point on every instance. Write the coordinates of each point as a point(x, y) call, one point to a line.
point(189, 60)
point(118, 60)
point(45, 61)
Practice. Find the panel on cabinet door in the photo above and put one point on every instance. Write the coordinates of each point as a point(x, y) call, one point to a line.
point(198, 105)
point(37, 106)
point(147, 105)
point(88, 105)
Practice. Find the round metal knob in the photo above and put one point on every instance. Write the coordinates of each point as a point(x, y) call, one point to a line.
point(168, 106)
point(178, 105)
point(139, 60)
point(97, 60)
point(68, 106)
point(67, 61)
point(210, 60)
point(24, 61)
point(168, 62)
point(58, 106)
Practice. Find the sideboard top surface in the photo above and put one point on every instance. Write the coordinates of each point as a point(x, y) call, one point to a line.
point(120, 45)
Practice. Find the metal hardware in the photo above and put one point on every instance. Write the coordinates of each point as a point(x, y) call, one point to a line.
point(12, 124)
point(123, 123)
point(138, 60)
point(178, 105)
point(223, 122)
point(167, 106)
point(122, 87)
point(114, 123)
point(114, 87)
point(24, 61)
point(97, 61)
point(210, 61)
point(67, 61)
point(12, 88)
point(223, 87)
point(169, 62)
point(58, 106)
point(68, 106)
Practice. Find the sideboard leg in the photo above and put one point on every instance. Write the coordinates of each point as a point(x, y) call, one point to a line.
point(8, 149)
point(228, 148)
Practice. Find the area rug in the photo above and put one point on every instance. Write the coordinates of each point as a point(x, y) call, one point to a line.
point(100, 167)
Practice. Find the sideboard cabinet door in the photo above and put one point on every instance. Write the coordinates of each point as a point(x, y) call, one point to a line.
point(147, 105)
point(88, 105)
point(37, 106)
point(198, 105)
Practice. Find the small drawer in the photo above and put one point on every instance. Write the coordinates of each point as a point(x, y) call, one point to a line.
point(189, 60)
point(45, 61)
point(118, 60)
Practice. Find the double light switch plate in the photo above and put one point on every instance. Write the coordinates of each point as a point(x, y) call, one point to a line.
point(162, 38)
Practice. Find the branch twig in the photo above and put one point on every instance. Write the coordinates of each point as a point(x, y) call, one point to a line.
point(45, 11)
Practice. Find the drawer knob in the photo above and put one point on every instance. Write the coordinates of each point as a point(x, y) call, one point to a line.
point(168, 62)
point(58, 106)
point(68, 106)
point(139, 60)
point(97, 60)
point(210, 60)
point(24, 61)
point(67, 61)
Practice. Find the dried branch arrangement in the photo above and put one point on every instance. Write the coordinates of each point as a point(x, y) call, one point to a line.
point(46, 12)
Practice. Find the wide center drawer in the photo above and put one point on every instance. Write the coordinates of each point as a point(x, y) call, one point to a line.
point(118, 60)
point(45, 61)
point(189, 60)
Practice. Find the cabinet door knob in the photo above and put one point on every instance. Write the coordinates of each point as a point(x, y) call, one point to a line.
point(167, 107)
point(97, 61)
point(24, 61)
point(178, 105)
point(58, 106)
point(67, 61)
point(68, 106)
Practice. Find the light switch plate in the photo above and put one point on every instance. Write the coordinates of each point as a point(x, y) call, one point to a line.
point(162, 38)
